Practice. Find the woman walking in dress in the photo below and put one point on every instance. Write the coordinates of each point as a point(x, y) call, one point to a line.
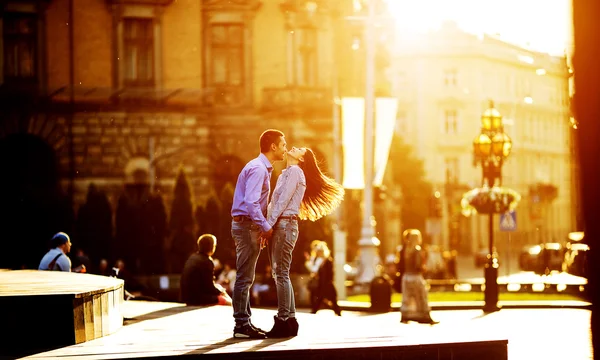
point(415, 303)
point(320, 265)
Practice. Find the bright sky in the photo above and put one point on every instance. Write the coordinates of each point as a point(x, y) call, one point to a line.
point(544, 24)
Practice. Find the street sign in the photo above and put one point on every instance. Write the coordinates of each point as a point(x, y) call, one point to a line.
point(508, 221)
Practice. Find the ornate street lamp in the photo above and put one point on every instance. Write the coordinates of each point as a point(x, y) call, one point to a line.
point(490, 149)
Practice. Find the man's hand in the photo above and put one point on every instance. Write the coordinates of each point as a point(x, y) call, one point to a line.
point(264, 237)
point(262, 242)
point(267, 234)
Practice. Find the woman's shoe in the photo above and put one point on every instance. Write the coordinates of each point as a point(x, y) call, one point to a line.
point(280, 329)
point(293, 326)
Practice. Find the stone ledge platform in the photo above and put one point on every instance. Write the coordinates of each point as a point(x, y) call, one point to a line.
point(46, 309)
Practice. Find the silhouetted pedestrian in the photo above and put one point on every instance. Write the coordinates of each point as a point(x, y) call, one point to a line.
point(320, 265)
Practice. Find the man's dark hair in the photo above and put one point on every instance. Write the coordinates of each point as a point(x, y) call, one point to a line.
point(58, 239)
point(268, 137)
point(206, 243)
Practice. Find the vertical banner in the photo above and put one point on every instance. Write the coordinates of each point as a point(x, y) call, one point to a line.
point(353, 142)
point(386, 110)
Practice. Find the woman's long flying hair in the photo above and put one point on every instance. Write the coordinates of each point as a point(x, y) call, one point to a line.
point(323, 195)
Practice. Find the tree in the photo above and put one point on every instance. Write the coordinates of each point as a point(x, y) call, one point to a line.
point(141, 224)
point(408, 173)
point(208, 216)
point(94, 225)
point(226, 248)
point(181, 223)
point(34, 207)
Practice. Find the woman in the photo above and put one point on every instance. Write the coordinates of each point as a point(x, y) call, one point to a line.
point(302, 192)
point(415, 304)
point(320, 265)
point(198, 280)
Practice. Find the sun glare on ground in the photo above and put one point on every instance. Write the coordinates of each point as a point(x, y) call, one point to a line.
point(542, 25)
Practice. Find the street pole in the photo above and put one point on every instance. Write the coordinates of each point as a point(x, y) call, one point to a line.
point(152, 169)
point(369, 259)
point(508, 257)
point(339, 233)
point(491, 273)
point(491, 147)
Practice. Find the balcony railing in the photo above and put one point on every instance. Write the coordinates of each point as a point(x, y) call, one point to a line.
point(297, 99)
point(219, 97)
point(224, 96)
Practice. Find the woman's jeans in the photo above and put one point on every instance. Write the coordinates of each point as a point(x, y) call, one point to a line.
point(245, 236)
point(285, 234)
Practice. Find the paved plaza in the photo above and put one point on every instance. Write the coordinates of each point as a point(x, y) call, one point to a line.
point(169, 329)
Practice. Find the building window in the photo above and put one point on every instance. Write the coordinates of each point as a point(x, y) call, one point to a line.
point(227, 32)
point(450, 122)
point(306, 56)
point(138, 44)
point(450, 78)
point(227, 49)
point(20, 44)
point(452, 170)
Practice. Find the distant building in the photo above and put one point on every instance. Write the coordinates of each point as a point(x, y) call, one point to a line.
point(443, 81)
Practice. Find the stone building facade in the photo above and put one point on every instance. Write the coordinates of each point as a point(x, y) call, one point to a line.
point(119, 85)
point(119, 88)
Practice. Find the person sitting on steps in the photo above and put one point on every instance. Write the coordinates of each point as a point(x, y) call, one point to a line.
point(56, 258)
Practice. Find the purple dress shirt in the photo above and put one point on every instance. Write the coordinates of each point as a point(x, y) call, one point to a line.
point(252, 191)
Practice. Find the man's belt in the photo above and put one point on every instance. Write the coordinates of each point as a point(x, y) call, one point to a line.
point(239, 218)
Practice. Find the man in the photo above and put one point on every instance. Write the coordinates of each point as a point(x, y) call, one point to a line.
point(197, 283)
point(249, 225)
point(56, 258)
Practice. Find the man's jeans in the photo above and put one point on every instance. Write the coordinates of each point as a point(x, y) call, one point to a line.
point(245, 236)
point(285, 234)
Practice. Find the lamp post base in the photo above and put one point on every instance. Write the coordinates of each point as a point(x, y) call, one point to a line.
point(369, 261)
point(339, 245)
point(491, 285)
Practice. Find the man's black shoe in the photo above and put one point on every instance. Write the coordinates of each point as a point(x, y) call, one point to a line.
point(247, 332)
point(257, 328)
